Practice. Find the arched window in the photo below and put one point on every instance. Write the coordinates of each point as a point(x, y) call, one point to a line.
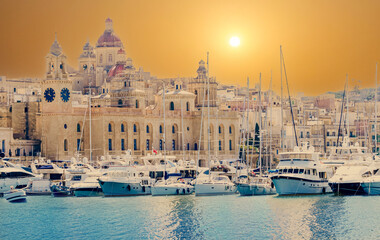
point(109, 127)
point(134, 128)
point(65, 148)
point(195, 146)
point(187, 106)
point(230, 145)
point(161, 129)
point(220, 129)
point(120, 102)
point(173, 129)
point(122, 144)
point(122, 129)
point(230, 129)
point(188, 146)
point(109, 144)
point(137, 103)
point(171, 108)
point(125, 84)
point(134, 144)
point(147, 129)
point(78, 127)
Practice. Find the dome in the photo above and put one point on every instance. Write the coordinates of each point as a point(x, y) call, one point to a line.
point(109, 38)
point(118, 68)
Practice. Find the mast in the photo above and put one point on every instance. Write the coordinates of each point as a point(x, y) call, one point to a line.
point(208, 116)
point(270, 122)
point(282, 108)
point(347, 117)
point(183, 138)
point(163, 106)
point(376, 111)
point(260, 125)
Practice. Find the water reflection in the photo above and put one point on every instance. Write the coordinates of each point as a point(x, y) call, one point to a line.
point(306, 217)
point(175, 217)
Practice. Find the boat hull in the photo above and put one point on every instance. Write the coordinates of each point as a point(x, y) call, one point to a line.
point(88, 192)
point(371, 188)
point(15, 196)
point(210, 189)
point(253, 189)
point(179, 189)
point(297, 186)
point(114, 189)
point(353, 188)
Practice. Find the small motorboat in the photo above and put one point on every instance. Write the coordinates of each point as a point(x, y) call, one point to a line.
point(15, 195)
point(60, 191)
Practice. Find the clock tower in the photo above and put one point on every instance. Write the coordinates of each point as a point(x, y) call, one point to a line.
point(56, 88)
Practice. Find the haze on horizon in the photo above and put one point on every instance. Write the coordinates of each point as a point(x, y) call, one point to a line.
point(322, 40)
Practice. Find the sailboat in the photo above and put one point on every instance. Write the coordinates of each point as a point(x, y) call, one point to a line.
point(210, 182)
point(260, 185)
point(174, 185)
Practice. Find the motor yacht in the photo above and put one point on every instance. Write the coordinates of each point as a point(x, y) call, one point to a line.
point(174, 185)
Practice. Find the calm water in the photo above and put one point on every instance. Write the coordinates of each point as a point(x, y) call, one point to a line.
point(190, 217)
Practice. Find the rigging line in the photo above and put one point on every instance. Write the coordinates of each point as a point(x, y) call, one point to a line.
point(290, 102)
point(341, 113)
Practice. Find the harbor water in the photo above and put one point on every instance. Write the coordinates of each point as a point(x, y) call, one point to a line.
point(190, 217)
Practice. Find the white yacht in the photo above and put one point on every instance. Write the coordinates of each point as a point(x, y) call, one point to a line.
point(174, 185)
point(371, 183)
point(88, 187)
point(15, 195)
point(11, 175)
point(348, 179)
point(125, 183)
point(301, 172)
point(215, 181)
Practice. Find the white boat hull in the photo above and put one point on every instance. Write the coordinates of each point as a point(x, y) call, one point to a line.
point(172, 189)
point(113, 189)
point(15, 196)
point(292, 186)
point(208, 189)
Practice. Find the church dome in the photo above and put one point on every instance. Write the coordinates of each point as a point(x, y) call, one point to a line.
point(109, 38)
point(115, 70)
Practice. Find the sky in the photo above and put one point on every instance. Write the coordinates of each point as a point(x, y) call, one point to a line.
point(322, 40)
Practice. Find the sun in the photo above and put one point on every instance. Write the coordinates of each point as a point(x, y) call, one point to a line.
point(234, 41)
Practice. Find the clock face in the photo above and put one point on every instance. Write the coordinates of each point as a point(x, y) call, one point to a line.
point(49, 94)
point(65, 94)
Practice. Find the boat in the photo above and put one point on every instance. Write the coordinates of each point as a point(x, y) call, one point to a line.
point(371, 184)
point(11, 175)
point(260, 185)
point(125, 183)
point(174, 185)
point(301, 172)
point(59, 190)
point(89, 187)
point(15, 195)
point(348, 178)
point(211, 182)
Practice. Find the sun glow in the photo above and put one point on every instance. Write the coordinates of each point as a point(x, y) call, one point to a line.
point(234, 41)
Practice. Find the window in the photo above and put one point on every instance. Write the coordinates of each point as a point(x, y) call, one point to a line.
point(125, 84)
point(220, 145)
point(134, 128)
point(147, 128)
point(14, 89)
point(187, 106)
point(122, 144)
point(173, 144)
point(78, 127)
point(134, 144)
point(109, 127)
point(195, 146)
point(295, 170)
point(137, 103)
point(230, 145)
point(328, 143)
point(171, 108)
point(101, 58)
point(173, 129)
point(220, 129)
point(65, 126)
point(109, 144)
point(110, 58)
point(65, 145)
point(122, 129)
point(3, 146)
point(26, 109)
point(230, 130)
point(160, 128)
point(147, 144)
point(308, 134)
point(79, 145)
point(301, 135)
point(188, 146)
point(161, 145)
point(328, 133)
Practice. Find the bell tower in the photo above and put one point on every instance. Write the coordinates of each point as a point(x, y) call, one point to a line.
point(56, 88)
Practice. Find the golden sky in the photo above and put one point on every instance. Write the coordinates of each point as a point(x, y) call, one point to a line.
point(322, 39)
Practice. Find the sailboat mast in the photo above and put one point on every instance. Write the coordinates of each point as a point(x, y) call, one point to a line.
point(260, 125)
point(270, 122)
point(347, 117)
point(183, 138)
point(376, 110)
point(282, 107)
point(164, 136)
point(208, 114)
